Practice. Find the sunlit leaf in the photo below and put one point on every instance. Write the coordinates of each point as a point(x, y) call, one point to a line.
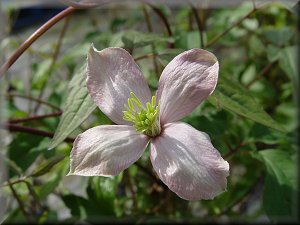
point(277, 36)
point(21, 150)
point(42, 73)
point(231, 96)
point(132, 38)
point(288, 61)
point(47, 165)
point(79, 105)
point(165, 56)
point(279, 197)
point(273, 53)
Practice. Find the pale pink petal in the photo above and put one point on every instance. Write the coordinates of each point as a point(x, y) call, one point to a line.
point(186, 161)
point(185, 82)
point(111, 75)
point(106, 150)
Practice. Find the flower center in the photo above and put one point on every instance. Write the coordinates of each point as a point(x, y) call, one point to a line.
point(145, 119)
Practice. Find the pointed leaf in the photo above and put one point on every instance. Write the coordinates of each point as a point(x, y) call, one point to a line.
point(79, 106)
point(280, 185)
point(288, 63)
point(47, 165)
point(278, 36)
point(231, 96)
point(132, 38)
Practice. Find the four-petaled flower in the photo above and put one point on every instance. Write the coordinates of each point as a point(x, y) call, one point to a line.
point(183, 157)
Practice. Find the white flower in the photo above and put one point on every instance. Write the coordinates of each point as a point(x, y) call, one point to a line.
point(183, 157)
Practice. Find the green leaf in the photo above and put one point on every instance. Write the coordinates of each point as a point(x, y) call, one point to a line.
point(288, 63)
point(49, 187)
point(165, 56)
point(273, 53)
point(47, 165)
point(21, 150)
point(77, 52)
point(277, 36)
point(79, 105)
point(87, 209)
point(231, 96)
point(134, 39)
point(41, 75)
point(77, 205)
point(280, 185)
point(102, 193)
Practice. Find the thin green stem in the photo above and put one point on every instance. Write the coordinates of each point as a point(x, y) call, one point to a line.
point(265, 70)
point(35, 198)
point(235, 24)
point(241, 198)
point(13, 166)
point(149, 26)
point(199, 23)
point(20, 202)
point(54, 59)
point(254, 5)
point(20, 180)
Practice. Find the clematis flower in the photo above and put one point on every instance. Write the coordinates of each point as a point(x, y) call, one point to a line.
point(183, 157)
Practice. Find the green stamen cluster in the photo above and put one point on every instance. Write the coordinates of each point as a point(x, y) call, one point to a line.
point(145, 119)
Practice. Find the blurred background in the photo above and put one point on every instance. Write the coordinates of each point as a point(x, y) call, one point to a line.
point(251, 118)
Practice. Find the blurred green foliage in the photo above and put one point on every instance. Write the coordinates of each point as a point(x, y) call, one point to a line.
point(250, 118)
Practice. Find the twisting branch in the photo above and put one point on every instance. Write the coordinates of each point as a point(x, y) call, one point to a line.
point(21, 120)
point(18, 128)
point(39, 32)
point(10, 95)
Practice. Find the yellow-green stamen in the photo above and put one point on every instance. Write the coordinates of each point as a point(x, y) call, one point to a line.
point(145, 119)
